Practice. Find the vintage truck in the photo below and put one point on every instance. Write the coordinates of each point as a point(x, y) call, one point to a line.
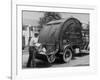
point(61, 39)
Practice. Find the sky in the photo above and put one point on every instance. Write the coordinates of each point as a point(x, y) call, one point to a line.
point(32, 17)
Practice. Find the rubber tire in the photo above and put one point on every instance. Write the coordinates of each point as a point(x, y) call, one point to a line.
point(52, 58)
point(67, 59)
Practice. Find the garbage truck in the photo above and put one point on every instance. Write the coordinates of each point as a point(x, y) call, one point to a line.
point(62, 39)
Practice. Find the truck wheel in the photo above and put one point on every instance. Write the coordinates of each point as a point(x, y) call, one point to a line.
point(67, 55)
point(51, 58)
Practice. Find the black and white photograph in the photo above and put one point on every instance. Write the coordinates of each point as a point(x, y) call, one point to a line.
point(55, 39)
point(50, 40)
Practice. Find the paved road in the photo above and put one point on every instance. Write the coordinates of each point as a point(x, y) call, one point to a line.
point(79, 60)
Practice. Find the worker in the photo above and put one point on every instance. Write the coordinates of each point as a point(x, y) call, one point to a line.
point(32, 51)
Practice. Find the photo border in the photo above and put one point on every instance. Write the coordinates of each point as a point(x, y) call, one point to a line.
point(14, 70)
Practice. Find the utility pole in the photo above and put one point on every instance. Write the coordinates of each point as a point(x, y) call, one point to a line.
point(29, 26)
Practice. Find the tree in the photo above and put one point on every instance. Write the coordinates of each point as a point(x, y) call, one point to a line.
point(49, 16)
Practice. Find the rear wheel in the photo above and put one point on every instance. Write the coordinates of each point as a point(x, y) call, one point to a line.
point(67, 55)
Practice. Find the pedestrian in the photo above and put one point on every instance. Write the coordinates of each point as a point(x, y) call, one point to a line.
point(32, 51)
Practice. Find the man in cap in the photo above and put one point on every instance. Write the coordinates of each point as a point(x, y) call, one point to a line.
point(32, 50)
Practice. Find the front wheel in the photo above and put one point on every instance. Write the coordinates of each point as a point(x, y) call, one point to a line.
point(51, 58)
point(67, 55)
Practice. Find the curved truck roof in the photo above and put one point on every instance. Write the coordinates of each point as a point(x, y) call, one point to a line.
point(54, 30)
